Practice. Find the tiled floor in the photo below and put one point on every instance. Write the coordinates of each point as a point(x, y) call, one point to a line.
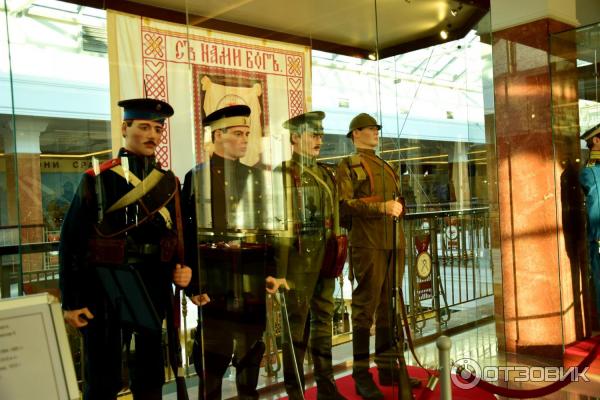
point(478, 344)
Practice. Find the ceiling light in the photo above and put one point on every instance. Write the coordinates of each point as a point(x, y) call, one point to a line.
point(454, 11)
point(372, 56)
point(444, 33)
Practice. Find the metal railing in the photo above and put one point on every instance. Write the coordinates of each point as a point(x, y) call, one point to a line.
point(458, 243)
point(23, 262)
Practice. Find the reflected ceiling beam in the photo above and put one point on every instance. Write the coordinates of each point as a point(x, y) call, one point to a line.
point(439, 71)
point(425, 60)
point(458, 76)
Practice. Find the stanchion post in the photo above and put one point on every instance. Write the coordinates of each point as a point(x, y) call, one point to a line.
point(443, 344)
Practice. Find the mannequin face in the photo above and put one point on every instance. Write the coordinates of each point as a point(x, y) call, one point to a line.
point(596, 142)
point(308, 142)
point(143, 136)
point(366, 138)
point(232, 142)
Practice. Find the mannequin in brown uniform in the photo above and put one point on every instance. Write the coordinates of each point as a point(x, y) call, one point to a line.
point(368, 188)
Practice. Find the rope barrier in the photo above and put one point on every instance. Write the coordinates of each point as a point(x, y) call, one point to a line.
point(468, 377)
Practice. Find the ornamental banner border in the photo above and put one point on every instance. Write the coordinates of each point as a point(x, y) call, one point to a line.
point(148, 53)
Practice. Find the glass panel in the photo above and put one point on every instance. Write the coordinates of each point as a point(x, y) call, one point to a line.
point(437, 117)
point(284, 214)
point(10, 260)
point(576, 113)
point(60, 123)
point(60, 87)
point(261, 195)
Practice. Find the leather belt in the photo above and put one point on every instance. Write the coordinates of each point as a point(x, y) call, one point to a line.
point(143, 249)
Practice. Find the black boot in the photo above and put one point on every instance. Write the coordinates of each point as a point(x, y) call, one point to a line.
point(320, 349)
point(364, 384)
point(247, 371)
point(211, 380)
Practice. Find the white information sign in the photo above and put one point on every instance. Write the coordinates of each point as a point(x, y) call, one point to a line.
point(35, 358)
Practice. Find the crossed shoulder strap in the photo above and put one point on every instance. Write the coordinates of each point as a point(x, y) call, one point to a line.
point(386, 167)
point(140, 189)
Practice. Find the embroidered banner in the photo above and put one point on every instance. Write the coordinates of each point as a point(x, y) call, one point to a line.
point(198, 71)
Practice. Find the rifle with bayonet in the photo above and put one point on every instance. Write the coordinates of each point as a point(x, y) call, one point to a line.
point(173, 315)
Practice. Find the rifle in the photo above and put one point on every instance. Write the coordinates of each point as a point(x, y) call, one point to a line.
point(173, 317)
point(404, 390)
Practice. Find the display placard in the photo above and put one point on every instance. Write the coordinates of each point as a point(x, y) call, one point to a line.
point(35, 358)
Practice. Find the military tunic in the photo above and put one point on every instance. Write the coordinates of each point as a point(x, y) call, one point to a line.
point(134, 237)
point(362, 196)
point(590, 182)
point(309, 224)
point(223, 217)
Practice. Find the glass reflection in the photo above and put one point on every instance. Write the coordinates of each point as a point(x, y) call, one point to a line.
point(232, 256)
point(308, 258)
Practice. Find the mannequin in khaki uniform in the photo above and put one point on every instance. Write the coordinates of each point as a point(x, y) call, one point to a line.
point(368, 189)
point(309, 196)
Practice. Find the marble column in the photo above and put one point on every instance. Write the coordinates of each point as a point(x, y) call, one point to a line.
point(539, 305)
point(24, 176)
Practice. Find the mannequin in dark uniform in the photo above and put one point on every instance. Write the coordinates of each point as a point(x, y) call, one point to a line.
point(590, 182)
point(112, 225)
point(368, 187)
point(223, 217)
point(309, 196)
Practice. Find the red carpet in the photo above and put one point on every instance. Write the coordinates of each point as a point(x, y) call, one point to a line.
point(346, 387)
point(577, 351)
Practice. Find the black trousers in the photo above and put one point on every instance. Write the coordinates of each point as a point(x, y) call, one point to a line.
point(229, 341)
point(104, 342)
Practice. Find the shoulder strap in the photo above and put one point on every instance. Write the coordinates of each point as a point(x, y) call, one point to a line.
point(386, 167)
point(393, 174)
point(358, 165)
point(319, 180)
point(139, 191)
point(328, 171)
point(336, 202)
